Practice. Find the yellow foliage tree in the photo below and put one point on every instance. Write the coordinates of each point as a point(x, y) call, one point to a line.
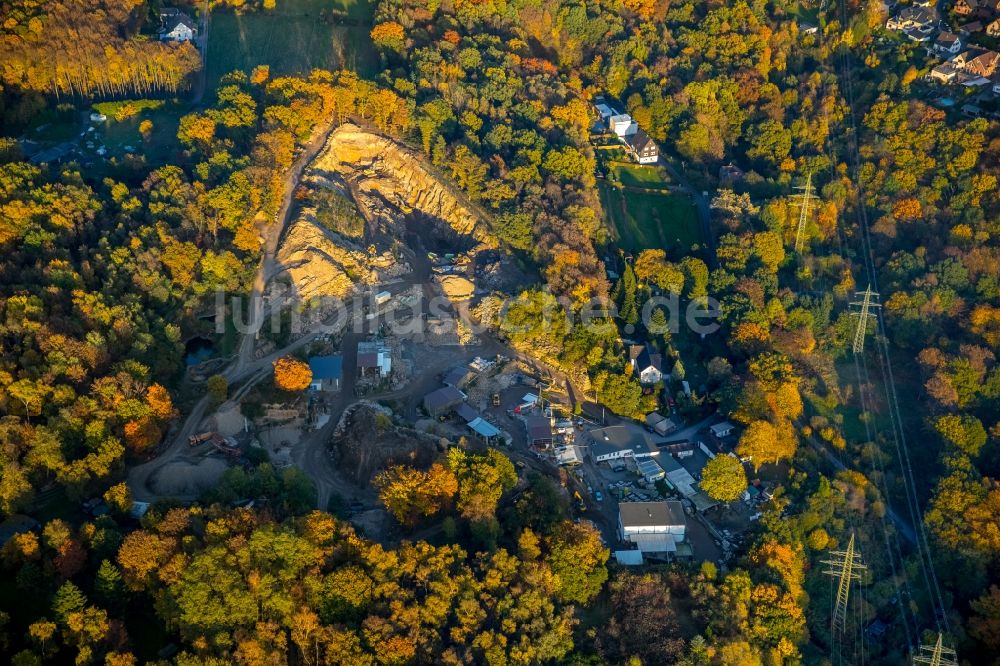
point(291, 374)
point(160, 403)
point(764, 442)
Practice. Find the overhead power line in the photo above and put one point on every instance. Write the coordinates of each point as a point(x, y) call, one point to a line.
point(846, 566)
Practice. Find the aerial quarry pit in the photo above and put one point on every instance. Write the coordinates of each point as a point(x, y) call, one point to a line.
point(396, 193)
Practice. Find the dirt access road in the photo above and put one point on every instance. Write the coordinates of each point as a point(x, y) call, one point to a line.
point(244, 365)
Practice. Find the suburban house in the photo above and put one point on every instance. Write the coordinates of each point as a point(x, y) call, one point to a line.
point(984, 64)
point(944, 73)
point(720, 430)
point(374, 359)
point(911, 18)
point(641, 147)
point(443, 400)
point(326, 372)
point(993, 29)
point(965, 7)
point(621, 441)
point(637, 143)
point(970, 28)
point(176, 26)
point(656, 528)
point(948, 42)
point(646, 364)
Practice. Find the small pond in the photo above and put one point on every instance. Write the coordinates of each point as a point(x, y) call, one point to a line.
point(198, 349)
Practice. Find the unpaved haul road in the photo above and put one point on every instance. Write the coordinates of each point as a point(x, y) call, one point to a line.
point(244, 365)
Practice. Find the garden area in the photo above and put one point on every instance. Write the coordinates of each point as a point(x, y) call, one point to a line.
point(643, 213)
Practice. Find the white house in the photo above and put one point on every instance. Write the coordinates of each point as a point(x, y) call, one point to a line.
point(622, 124)
point(176, 26)
point(724, 429)
point(654, 527)
point(646, 364)
point(911, 18)
point(948, 43)
point(641, 147)
point(621, 441)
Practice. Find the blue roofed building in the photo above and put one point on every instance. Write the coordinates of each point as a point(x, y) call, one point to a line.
point(326, 372)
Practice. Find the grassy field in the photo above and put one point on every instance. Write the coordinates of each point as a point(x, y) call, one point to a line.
point(635, 175)
point(650, 219)
point(298, 36)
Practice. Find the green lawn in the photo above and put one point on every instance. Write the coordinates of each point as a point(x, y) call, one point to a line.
point(650, 219)
point(635, 175)
point(298, 36)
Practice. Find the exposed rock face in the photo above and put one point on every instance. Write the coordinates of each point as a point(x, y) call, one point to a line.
point(388, 183)
point(321, 264)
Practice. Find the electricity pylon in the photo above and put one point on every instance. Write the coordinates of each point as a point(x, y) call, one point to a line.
point(845, 565)
point(936, 655)
point(805, 207)
point(863, 314)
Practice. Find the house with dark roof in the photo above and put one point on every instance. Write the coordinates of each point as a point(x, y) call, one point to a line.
point(176, 26)
point(326, 372)
point(443, 400)
point(911, 18)
point(948, 43)
point(646, 363)
point(373, 359)
point(641, 147)
point(622, 441)
point(654, 527)
point(539, 431)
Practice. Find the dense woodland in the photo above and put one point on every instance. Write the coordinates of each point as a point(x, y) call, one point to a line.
point(84, 49)
point(101, 277)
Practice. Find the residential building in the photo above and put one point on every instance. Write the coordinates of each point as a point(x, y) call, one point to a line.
point(656, 528)
point(326, 372)
point(944, 73)
point(720, 430)
point(993, 29)
point(646, 363)
point(970, 28)
point(948, 42)
point(977, 62)
point(641, 147)
point(374, 359)
point(965, 7)
point(622, 441)
point(176, 26)
point(622, 125)
point(911, 18)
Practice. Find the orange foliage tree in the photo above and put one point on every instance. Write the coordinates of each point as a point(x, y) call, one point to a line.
point(291, 374)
